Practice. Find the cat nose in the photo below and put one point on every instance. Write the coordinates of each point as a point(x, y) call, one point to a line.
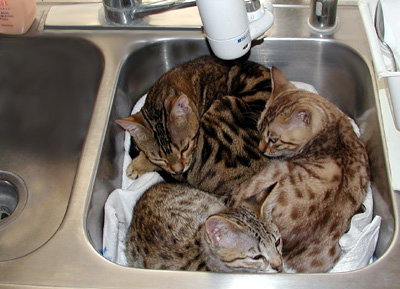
point(262, 146)
point(276, 265)
point(278, 268)
point(177, 168)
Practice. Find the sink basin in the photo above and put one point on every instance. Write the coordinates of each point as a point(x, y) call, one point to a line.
point(334, 69)
point(48, 88)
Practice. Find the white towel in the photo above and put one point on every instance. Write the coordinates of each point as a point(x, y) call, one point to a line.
point(118, 215)
point(358, 244)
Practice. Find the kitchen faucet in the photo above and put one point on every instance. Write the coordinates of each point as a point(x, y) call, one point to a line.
point(230, 25)
point(127, 11)
point(323, 15)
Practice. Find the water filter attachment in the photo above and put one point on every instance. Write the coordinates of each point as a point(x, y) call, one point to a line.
point(16, 16)
point(231, 25)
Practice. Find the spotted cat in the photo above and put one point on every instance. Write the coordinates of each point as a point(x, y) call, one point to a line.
point(177, 227)
point(318, 174)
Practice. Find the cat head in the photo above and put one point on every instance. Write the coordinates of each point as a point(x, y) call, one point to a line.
point(290, 119)
point(242, 241)
point(168, 137)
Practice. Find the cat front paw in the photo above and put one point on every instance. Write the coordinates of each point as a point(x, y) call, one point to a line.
point(139, 166)
point(133, 172)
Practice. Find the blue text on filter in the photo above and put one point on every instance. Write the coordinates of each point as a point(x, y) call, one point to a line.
point(243, 38)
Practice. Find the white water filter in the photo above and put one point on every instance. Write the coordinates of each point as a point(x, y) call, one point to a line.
point(226, 25)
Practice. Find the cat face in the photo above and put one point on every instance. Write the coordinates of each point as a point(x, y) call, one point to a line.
point(244, 250)
point(168, 139)
point(287, 124)
point(286, 135)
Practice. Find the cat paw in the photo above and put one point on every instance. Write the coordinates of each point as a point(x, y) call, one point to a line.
point(134, 172)
point(139, 166)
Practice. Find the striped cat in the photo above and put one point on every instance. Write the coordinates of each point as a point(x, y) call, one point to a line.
point(227, 151)
point(177, 227)
point(167, 128)
point(318, 174)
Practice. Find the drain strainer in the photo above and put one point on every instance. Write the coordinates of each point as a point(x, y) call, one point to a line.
point(4, 212)
point(13, 195)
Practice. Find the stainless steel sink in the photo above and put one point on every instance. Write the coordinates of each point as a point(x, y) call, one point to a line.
point(341, 75)
point(340, 68)
point(48, 87)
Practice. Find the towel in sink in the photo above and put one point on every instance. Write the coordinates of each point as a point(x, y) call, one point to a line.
point(118, 215)
point(358, 244)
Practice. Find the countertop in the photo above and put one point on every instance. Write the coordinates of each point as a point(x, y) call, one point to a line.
point(392, 135)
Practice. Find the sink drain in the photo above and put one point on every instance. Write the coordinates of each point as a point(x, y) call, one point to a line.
point(13, 195)
point(8, 199)
point(4, 213)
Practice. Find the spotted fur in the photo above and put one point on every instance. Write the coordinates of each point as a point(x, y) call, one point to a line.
point(177, 227)
point(318, 174)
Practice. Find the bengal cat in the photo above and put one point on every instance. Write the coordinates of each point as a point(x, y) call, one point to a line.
point(318, 174)
point(166, 130)
point(177, 227)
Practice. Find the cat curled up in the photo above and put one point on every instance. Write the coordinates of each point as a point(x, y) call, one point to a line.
point(177, 227)
point(318, 174)
point(166, 129)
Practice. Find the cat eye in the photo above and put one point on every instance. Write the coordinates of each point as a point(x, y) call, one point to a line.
point(273, 139)
point(278, 242)
point(159, 162)
point(185, 148)
point(258, 257)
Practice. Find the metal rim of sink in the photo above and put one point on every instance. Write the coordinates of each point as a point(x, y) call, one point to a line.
point(13, 197)
point(58, 263)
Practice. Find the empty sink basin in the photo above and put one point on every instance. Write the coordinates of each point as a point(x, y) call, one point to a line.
point(48, 87)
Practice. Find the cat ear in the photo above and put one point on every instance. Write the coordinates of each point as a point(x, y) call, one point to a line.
point(221, 232)
point(256, 202)
point(134, 124)
point(180, 108)
point(183, 121)
point(279, 82)
point(302, 116)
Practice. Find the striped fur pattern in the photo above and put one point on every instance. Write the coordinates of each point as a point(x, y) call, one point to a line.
point(227, 151)
point(177, 227)
point(318, 175)
point(167, 128)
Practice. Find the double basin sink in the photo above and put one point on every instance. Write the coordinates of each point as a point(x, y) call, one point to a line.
point(61, 152)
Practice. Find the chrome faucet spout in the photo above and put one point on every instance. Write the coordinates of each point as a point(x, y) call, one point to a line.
point(323, 15)
point(162, 6)
point(127, 11)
